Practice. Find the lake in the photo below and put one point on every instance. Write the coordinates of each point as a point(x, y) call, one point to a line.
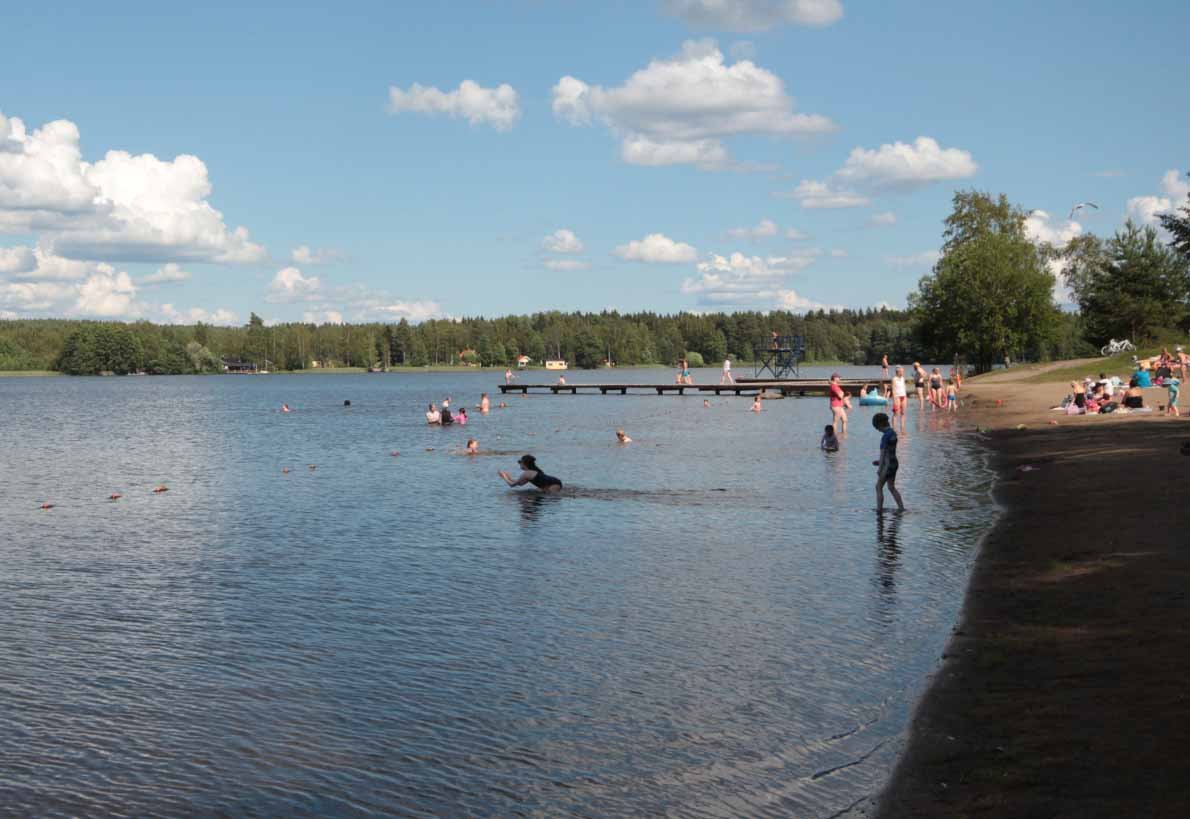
point(712, 621)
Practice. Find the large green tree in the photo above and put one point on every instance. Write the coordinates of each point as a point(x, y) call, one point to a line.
point(1178, 225)
point(1129, 285)
point(990, 295)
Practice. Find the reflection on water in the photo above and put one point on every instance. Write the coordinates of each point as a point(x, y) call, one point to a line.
point(709, 621)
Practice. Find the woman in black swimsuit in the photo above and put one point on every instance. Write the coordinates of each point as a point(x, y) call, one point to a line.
point(530, 474)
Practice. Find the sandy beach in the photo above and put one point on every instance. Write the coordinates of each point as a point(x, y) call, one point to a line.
point(1063, 691)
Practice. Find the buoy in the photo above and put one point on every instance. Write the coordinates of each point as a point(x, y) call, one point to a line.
point(159, 489)
point(47, 506)
point(114, 496)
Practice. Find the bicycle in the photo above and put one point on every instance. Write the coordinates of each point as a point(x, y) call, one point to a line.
point(1113, 347)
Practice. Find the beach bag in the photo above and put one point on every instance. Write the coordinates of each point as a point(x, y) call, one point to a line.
point(1106, 408)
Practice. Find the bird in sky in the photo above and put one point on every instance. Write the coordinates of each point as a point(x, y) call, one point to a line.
point(1080, 206)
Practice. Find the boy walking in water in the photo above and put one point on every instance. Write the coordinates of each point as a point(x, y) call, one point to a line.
point(887, 465)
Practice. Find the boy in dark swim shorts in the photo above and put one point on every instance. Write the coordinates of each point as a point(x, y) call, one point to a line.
point(888, 465)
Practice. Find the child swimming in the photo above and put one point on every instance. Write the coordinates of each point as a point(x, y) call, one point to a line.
point(622, 438)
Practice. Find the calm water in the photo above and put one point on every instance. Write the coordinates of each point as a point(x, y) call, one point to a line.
point(713, 623)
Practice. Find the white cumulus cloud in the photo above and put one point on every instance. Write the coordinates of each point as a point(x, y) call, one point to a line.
point(107, 294)
point(17, 259)
point(166, 274)
point(656, 248)
point(821, 196)
point(740, 279)
point(904, 165)
point(883, 219)
point(678, 110)
point(498, 107)
point(754, 15)
point(794, 302)
point(1042, 230)
point(120, 208)
point(304, 254)
point(562, 241)
point(1144, 210)
point(290, 285)
point(764, 229)
point(168, 314)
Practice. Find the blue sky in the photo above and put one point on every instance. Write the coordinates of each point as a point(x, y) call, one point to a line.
point(740, 111)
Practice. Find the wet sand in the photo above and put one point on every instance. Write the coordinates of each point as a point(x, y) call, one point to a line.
point(1065, 690)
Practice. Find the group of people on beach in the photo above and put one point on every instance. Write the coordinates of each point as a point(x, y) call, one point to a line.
point(1106, 394)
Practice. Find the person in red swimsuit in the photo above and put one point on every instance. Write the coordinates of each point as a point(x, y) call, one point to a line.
point(838, 411)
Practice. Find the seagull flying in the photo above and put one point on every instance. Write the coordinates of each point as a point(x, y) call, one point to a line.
point(1080, 206)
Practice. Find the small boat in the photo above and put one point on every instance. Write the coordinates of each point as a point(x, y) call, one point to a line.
point(556, 364)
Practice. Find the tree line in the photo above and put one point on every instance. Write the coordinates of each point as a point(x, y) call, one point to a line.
point(583, 339)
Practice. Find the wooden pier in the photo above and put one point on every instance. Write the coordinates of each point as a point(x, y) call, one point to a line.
point(744, 386)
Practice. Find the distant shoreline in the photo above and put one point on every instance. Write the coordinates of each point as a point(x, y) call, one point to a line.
point(446, 368)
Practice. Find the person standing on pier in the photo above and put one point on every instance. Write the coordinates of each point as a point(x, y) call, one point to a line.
point(726, 377)
point(838, 410)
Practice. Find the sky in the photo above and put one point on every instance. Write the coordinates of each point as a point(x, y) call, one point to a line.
point(373, 161)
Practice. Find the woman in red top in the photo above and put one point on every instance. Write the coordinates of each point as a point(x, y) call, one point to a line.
point(838, 411)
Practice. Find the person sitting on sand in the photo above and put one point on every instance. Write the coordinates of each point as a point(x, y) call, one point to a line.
point(1134, 398)
point(531, 474)
point(829, 442)
point(472, 447)
point(433, 416)
point(485, 404)
point(1080, 394)
point(887, 465)
point(622, 438)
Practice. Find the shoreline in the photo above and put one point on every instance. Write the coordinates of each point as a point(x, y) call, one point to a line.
point(1062, 690)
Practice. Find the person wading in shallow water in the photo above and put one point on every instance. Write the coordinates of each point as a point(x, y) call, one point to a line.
point(531, 474)
point(838, 408)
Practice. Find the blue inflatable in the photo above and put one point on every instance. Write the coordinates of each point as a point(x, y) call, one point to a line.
point(873, 399)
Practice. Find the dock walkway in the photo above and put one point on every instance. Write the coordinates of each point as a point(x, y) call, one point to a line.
point(744, 386)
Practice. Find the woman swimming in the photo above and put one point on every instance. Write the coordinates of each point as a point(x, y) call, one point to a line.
point(530, 474)
point(472, 447)
point(622, 438)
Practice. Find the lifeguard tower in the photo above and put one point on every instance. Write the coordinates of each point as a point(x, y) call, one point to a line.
point(781, 358)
